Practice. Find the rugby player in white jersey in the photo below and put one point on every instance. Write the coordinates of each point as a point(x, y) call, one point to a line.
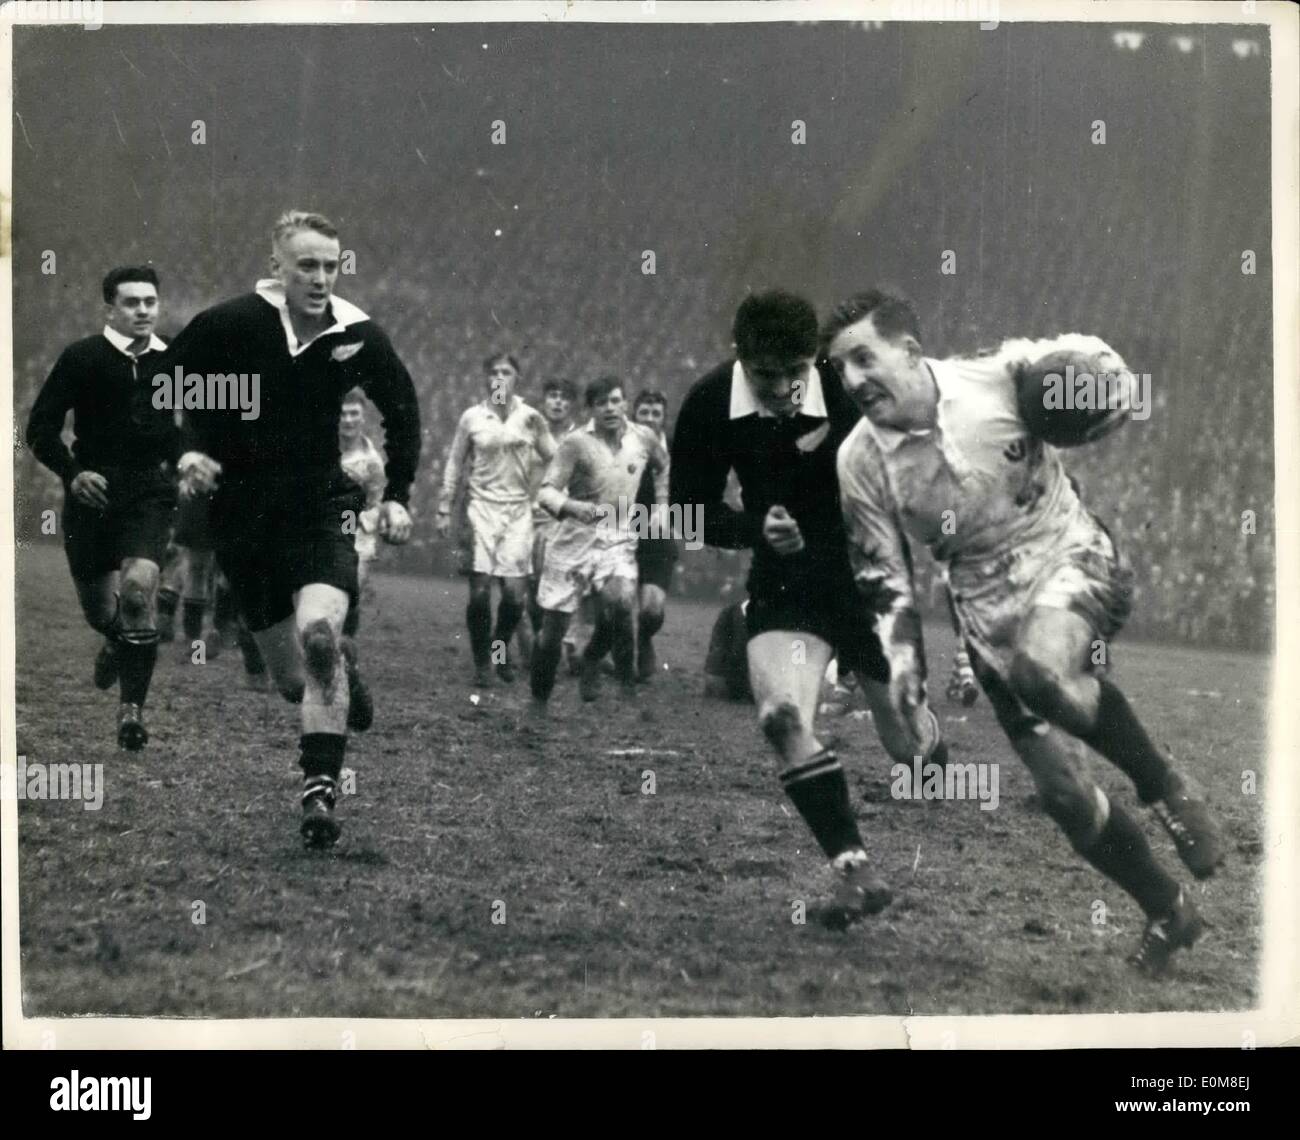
point(1036, 579)
point(558, 397)
point(496, 440)
point(591, 487)
point(363, 464)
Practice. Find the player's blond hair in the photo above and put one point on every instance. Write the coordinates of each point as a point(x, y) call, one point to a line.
point(291, 221)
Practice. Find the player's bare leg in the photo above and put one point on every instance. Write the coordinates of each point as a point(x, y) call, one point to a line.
point(785, 673)
point(650, 621)
point(171, 584)
point(304, 655)
point(136, 631)
point(579, 634)
point(196, 599)
point(478, 620)
point(1099, 830)
point(1050, 674)
point(510, 608)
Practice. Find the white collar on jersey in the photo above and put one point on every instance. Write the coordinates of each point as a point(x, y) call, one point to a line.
point(891, 439)
point(344, 312)
point(123, 343)
point(516, 402)
point(745, 403)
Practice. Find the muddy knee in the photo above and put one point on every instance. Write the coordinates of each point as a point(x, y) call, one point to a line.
point(135, 605)
point(320, 650)
point(1036, 685)
point(1080, 810)
point(780, 721)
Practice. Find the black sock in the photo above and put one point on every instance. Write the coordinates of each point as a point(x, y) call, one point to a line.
point(544, 666)
point(137, 651)
point(478, 616)
point(192, 618)
point(322, 754)
point(253, 662)
point(602, 637)
point(1121, 853)
point(352, 622)
point(1120, 737)
point(649, 624)
point(817, 788)
point(224, 611)
point(623, 637)
point(168, 599)
point(508, 614)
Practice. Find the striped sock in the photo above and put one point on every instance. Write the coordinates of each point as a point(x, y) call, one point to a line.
point(817, 788)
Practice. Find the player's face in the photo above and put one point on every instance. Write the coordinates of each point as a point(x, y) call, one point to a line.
point(556, 407)
point(306, 263)
point(777, 381)
point(610, 411)
point(501, 381)
point(134, 310)
point(885, 377)
point(351, 419)
point(652, 415)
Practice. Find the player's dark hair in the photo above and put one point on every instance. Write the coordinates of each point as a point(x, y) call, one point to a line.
point(567, 388)
point(291, 221)
point(124, 274)
point(649, 396)
point(598, 389)
point(891, 313)
point(777, 324)
point(355, 396)
point(495, 358)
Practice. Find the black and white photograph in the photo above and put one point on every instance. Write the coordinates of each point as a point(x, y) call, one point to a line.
point(666, 514)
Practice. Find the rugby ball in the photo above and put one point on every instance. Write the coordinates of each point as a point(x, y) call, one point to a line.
point(1065, 401)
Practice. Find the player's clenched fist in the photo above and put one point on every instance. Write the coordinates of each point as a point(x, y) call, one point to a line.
point(198, 473)
point(781, 531)
point(90, 488)
point(394, 522)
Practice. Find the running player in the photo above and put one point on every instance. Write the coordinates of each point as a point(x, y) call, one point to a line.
point(1037, 581)
point(591, 487)
point(363, 464)
point(119, 493)
point(775, 419)
point(282, 504)
point(558, 398)
point(656, 556)
point(496, 439)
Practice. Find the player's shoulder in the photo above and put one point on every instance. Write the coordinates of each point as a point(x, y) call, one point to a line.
point(86, 348)
point(858, 447)
point(647, 435)
point(712, 388)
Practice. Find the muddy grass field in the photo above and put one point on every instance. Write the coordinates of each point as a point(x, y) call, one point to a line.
point(616, 903)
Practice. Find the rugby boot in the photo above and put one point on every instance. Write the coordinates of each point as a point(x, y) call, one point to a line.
point(319, 828)
point(1188, 821)
point(131, 732)
point(1178, 929)
point(860, 892)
